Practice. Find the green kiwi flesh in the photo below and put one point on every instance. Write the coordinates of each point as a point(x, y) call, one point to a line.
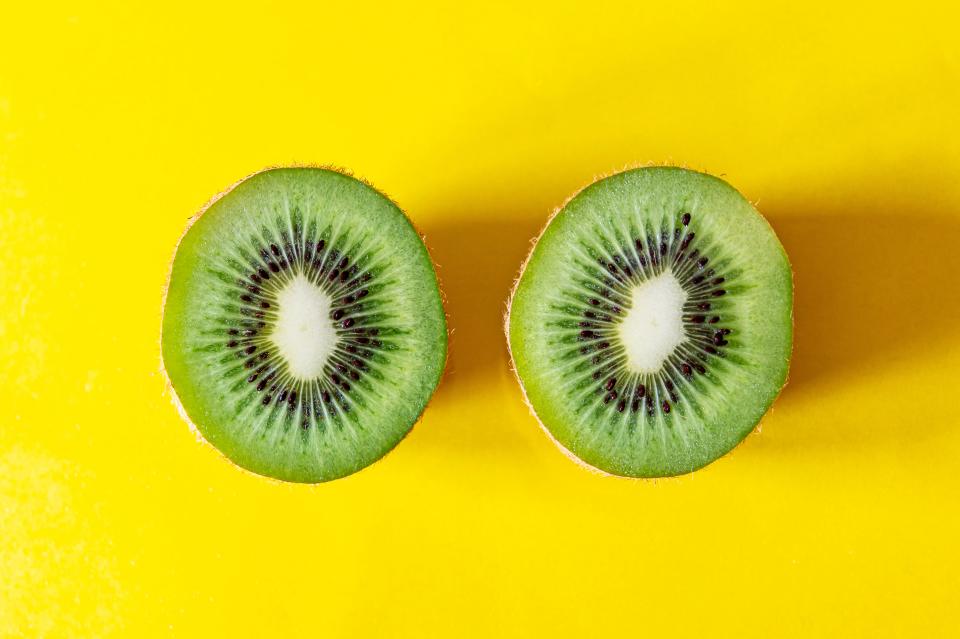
point(652, 327)
point(303, 329)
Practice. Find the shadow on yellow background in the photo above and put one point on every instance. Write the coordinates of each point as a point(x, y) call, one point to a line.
point(478, 260)
point(872, 288)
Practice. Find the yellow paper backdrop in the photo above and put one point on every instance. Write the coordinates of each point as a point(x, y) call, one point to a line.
point(840, 517)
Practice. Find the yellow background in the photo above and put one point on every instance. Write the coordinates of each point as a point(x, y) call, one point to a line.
point(840, 517)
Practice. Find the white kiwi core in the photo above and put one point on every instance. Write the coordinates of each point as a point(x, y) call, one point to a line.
point(653, 327)
point(304, 333)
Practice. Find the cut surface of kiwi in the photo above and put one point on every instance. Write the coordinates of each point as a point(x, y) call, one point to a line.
point(652, 324)
point(303, 329)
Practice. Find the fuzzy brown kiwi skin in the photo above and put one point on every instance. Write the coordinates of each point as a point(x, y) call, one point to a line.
point(175, 399)
point(513, 367)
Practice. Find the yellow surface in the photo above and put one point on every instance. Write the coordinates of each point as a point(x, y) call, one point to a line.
point(839, 518)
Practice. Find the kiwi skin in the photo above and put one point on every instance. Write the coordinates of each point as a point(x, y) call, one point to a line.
point(175, 399)
point(512, 363)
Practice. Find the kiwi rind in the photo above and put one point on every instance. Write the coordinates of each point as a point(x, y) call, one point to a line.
point(209, 420)
point(607, 197)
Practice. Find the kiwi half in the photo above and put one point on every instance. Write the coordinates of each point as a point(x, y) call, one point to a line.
point(651, 327)
point(303, 330)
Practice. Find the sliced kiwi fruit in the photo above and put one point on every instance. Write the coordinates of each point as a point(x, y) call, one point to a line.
point(303, 329)
point(651, 327)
